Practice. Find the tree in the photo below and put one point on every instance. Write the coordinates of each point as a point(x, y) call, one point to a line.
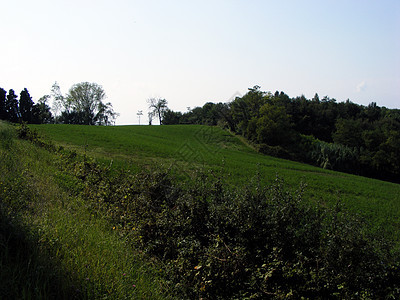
point(83, 105)
point(157, 106)
point(194, 116)
point(387, 159)
point(316, 98)
point(106, 115)
point(226, 116)
point(273, 127)
point(85, 99)
point(3, 112)
point(245, 108)
point(171, 117)
point(150, 114)
point(41, 113)
point(348, 132)
point(26, 106)
point(372, 112)
point(59, 102)
point(12, 109)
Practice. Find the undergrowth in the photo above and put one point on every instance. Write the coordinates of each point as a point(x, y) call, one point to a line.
point(254, 243)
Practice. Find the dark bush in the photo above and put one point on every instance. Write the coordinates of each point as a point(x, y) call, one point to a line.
point(216, 242)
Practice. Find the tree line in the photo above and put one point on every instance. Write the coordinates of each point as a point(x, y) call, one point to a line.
point(342, 136)
point(83, 104)
point(24, 109)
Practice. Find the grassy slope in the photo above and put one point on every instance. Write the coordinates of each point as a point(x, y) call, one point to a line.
point(189, 147)
point(51, 247)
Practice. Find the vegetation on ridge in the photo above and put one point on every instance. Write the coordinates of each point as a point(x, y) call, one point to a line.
point(341, 136)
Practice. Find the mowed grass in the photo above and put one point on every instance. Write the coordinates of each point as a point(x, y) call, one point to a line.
point(184, 149)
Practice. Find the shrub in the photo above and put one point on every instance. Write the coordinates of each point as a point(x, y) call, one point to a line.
point(217, 242)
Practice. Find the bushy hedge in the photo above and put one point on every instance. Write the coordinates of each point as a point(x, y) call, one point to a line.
point(258, 242)
point(253, 242)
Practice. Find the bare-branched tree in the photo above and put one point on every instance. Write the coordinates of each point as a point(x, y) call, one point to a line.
point(157, 108)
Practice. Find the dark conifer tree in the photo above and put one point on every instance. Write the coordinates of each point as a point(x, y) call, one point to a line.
point(25, 106)
point(13, 114)
point(3, 112)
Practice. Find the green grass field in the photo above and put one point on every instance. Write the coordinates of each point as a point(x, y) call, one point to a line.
point(186, 148)
point(51, 245)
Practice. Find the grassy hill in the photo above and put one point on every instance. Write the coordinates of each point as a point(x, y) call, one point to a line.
point(186, 148)
point(51, 245)
point(218, 222)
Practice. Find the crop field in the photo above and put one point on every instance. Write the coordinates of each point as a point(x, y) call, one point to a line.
point(183, 149)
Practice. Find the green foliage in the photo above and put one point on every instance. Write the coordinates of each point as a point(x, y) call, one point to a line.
point(24, 110)
point(41, 112)
point(257, 242)
point(273, 126)
point(3, 112)
point(244, 109)
point(334, 156)
point(83, 105)
point(348, 133)
point(387, 158)
point(171, 117)
point(211, 114)
point(11, 107)
point(26, 106)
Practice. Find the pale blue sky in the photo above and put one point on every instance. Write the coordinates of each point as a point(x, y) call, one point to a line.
point(191, 52)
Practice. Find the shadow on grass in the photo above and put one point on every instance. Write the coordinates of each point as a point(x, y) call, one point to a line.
point(26, 270)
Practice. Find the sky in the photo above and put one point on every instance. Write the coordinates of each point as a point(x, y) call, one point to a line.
point(193, 52)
